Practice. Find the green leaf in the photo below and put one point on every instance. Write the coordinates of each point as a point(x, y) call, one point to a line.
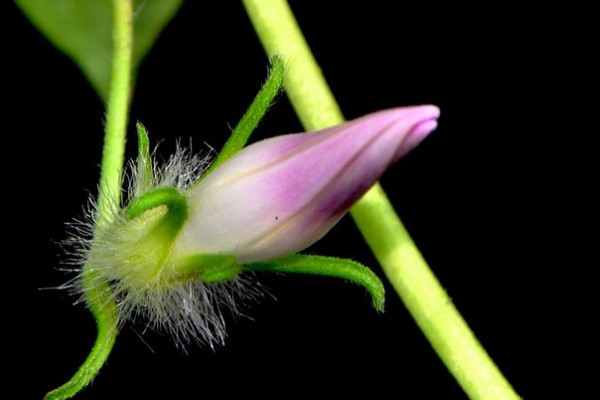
point(82, 29)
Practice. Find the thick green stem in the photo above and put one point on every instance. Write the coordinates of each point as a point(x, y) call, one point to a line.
point(304, 83)
point(402, 262)
point(99, 298)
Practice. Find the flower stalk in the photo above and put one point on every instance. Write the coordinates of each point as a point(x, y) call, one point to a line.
point(99, 297)
point(403, 264)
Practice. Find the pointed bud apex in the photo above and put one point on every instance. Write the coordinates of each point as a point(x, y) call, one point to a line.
point(281, 195)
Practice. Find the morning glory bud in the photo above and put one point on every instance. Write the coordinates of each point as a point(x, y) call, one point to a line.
point(176, 252)
point(279, 196)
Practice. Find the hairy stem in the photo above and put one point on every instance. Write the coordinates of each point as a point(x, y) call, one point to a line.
point(399, 257)
point(99, 298)
point(106, 313)
point(113, 153)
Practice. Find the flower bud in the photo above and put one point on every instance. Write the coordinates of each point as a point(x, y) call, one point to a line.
point(279, 196)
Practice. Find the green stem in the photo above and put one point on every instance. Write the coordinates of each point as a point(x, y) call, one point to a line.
point(304, 83)
point(400, 259)
point(99, 298)
point(106, 313)
point(113, 153)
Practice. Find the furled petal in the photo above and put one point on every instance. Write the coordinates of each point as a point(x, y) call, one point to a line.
point(281, 195)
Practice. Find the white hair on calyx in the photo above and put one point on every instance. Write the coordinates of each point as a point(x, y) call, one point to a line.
point(190, 311)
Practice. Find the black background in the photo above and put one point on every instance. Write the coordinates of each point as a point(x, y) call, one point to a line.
point(491, 198)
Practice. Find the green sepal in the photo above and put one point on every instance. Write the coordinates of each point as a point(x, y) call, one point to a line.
point(158, 215)
point(261, 103)
point(327, 266)
point(176, 203)
point(208, 268)
point(144, 164)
